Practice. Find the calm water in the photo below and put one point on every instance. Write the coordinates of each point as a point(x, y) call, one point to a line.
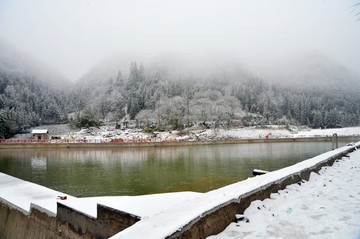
point(100, 172)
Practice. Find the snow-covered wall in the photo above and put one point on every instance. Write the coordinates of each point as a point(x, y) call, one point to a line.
point(68, 222)
point(29, 210)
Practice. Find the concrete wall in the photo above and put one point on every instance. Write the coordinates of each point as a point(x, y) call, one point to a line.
point(16, 224)
point(109, 221)
point(68, 223)
point(216, 220)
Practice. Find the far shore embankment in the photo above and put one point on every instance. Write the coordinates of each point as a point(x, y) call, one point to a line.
point(21, 144)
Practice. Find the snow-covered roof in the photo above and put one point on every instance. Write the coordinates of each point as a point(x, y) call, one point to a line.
point(39, 131)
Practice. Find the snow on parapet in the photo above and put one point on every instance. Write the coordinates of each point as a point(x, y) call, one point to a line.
point(24, 195)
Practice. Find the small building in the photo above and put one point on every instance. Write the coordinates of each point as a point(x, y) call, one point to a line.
point(40, 134)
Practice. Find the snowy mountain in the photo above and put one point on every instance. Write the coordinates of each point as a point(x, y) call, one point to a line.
point(318, 73)
point(169, 93)
point(30, 93)
point(16, 62)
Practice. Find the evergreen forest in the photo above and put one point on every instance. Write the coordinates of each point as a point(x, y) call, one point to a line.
point(160, 98)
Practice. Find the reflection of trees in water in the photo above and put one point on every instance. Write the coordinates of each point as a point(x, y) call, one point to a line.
point(98, 172)
point(128, 157)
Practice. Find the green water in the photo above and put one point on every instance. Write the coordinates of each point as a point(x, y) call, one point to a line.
point(114, 172)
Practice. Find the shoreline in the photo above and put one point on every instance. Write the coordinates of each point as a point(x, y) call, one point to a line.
point(16, 145)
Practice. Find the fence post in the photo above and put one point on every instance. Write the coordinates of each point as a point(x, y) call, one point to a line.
point(334, 142)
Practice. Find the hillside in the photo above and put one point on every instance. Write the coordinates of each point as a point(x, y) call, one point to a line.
point(30, 93)
point(16, 62)
point(172, 94)
point(159, 96)
point(317, 73)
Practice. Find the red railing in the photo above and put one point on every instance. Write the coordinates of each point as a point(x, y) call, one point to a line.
point(81, 141)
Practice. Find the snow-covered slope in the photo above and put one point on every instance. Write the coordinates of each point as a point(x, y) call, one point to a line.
point(109, 132)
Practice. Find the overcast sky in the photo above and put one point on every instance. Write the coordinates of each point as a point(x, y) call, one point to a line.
point(74, 35)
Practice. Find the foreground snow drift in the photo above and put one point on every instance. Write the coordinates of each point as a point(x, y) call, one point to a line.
point(327, 206)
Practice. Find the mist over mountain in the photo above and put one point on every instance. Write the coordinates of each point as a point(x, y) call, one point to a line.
point(31, 93)
point(317, 73)
point(198, 67)
point(311, 72)
point(175, 92)
point(172, 92)
point(16, 62)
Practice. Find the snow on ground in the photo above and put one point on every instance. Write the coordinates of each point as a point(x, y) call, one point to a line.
point(349, 131)
point(192, 134)
point(55, 129)
point(327, 206)
point(275, 132)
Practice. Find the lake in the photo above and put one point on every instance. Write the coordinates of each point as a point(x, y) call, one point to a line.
point(138, 171)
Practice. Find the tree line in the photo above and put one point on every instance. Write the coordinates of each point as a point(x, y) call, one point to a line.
point(160, 99)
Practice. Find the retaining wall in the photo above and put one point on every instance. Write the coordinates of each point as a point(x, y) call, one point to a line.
point(15, 223)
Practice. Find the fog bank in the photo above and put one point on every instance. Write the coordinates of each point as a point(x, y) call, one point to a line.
point(73, 36)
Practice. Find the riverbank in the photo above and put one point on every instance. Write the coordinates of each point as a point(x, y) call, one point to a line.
point(109, 137)
point(194, 134)
point(157, 142)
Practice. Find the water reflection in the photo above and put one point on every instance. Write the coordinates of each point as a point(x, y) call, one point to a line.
point(98, 172)
point(38, 163)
